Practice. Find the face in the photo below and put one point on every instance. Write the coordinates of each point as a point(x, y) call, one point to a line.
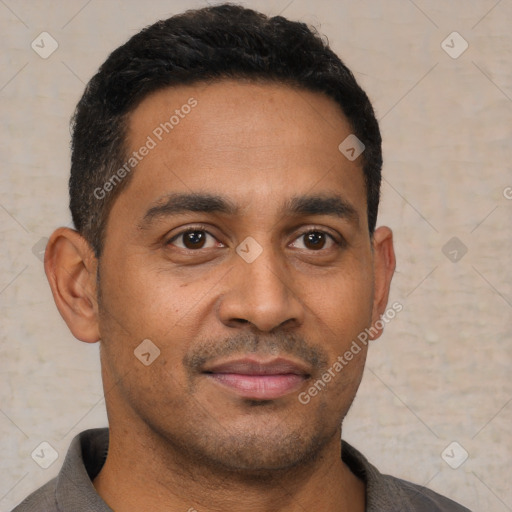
point(240, 249)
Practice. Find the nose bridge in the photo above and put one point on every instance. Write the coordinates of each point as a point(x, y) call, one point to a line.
point(266, 273)
point(260, 291)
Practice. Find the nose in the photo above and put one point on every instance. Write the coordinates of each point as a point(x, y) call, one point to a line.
point(261, 293)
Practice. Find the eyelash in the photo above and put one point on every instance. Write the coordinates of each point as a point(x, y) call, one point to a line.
point(190, 229)
point(200, 227)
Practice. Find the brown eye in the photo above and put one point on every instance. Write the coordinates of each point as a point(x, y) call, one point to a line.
point(315, 241)
point(193, 239)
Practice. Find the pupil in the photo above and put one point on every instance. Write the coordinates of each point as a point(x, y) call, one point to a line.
point(316, 240)
point(194, 239)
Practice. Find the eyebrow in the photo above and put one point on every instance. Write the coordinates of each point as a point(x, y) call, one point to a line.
point(179, 203)
point(333, 205)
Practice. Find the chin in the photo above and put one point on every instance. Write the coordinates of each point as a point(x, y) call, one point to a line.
point(259, 455)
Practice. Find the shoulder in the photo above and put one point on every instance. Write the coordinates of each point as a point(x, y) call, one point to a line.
point(422, 499)
point(386, 493)
point(41, 500)
point(72, 489)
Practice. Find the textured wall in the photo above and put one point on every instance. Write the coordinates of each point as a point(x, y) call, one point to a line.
point(441, 372)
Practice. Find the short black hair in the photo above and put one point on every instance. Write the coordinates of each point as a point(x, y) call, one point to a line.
point(204, 45)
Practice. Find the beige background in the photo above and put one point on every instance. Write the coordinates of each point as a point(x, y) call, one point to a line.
point(441, 372)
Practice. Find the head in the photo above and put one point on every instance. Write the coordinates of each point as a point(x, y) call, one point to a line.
point(219, 227)
point(202, 46)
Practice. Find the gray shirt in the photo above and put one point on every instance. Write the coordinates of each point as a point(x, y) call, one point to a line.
point(72, 490)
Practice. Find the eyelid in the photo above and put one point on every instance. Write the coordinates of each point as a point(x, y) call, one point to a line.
point(188, 229)
point(336, 238)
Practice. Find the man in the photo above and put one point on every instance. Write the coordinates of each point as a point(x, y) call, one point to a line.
point(224, 188)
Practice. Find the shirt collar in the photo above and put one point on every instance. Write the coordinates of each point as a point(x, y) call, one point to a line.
point(88, 452)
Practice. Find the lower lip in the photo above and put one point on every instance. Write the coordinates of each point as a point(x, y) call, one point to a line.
point(259, 387)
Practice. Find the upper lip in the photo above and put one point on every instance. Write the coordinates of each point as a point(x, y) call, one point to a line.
point(256, 366)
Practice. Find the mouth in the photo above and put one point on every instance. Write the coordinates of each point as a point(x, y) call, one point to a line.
point(259, 379)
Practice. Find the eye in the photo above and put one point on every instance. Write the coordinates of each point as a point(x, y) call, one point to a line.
point(315, 240)
point(193, 239)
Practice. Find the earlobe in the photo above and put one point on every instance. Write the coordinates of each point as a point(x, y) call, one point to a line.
point(384, 268)
point(71, 267)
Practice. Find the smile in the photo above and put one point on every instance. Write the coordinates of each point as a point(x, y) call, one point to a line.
point(259, 380)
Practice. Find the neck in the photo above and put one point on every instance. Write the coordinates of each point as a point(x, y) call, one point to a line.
point(155, 476)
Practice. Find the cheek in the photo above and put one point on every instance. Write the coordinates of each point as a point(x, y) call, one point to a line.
point(145, 331)
point(146, 299)
point(332, 393)
point(143, 303)
point(348, 314)
point(343, 304)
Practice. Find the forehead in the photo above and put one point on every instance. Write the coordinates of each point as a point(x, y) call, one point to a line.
point(220, 109)
point(248, 141)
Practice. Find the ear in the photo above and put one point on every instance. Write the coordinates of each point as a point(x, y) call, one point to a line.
point(384, 263)
point(71, 266)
